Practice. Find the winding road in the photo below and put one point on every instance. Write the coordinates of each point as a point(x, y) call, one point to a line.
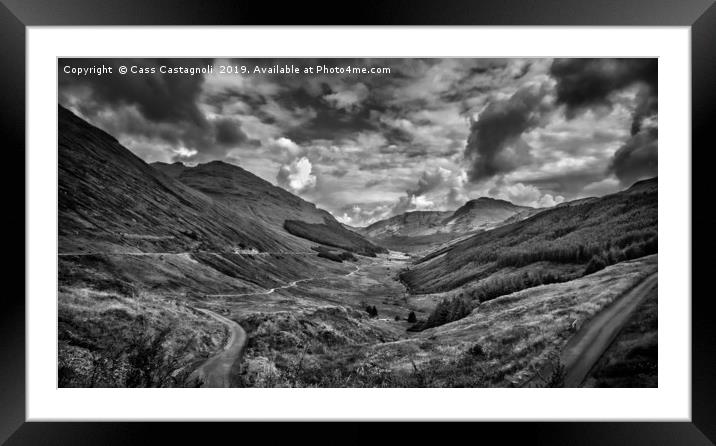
point(283, 287)
point(216, 371)
point(585, 348)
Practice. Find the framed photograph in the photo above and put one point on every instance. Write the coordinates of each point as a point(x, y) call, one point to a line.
point(445, 214)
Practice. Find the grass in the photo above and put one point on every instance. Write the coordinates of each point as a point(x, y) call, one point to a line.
point(284, 348)
point(106, 339)
point(519, 332)
point(502, 343)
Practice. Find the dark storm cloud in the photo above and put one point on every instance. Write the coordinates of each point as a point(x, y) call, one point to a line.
point(500, 124)
point(328, 121)
point(379, 140)
point(160, 98)
point(229, 133)
point(567, 183)
point(160, 108)
point(647, 103)
point(638, 158)
point(586, 83)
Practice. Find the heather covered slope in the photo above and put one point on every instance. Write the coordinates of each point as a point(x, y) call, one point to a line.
point(110, 200)
point(569, 240)
point(247, 194)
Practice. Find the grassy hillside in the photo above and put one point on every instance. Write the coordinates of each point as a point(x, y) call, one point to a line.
point(110, 200)
point(502, 344)
point(246, 194)
point(569, 240)
point(331, 233)
point(110, 339)
point(139, 250)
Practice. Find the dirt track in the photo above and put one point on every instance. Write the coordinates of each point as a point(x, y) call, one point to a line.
point(586, 347)
point(282, 287)
point(215, 372)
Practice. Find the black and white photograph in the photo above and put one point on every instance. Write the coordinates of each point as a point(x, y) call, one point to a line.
point(361, 223)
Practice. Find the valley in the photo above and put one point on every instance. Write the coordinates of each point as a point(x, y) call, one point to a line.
point(207, 275)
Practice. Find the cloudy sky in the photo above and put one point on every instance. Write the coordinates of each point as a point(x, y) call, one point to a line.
point(430, 135)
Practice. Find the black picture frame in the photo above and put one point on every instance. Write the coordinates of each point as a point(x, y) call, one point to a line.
point(16, 15)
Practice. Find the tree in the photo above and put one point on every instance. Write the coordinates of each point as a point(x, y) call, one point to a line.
point(411, 317)
point(595, 264)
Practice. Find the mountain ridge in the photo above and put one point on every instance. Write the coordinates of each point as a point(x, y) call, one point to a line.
point(243, 191)
point(420, 230)
point(566, 240)
point(111, 200)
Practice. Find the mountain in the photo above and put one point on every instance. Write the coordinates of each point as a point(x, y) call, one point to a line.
point(246, 193)
point(125, 226)
point(423, 230)
point(481, 213)
point(111, 200)
point(557, 244)
point(139, 251)
point(409, 224)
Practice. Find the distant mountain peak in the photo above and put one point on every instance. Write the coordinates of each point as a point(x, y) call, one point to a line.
point(489, 200)
point(217, 163)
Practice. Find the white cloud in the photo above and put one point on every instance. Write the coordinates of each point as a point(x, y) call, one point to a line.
point(345, 219)
point(296, 176)
point(183, 152)
point(288, 145)
point(525, 195)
